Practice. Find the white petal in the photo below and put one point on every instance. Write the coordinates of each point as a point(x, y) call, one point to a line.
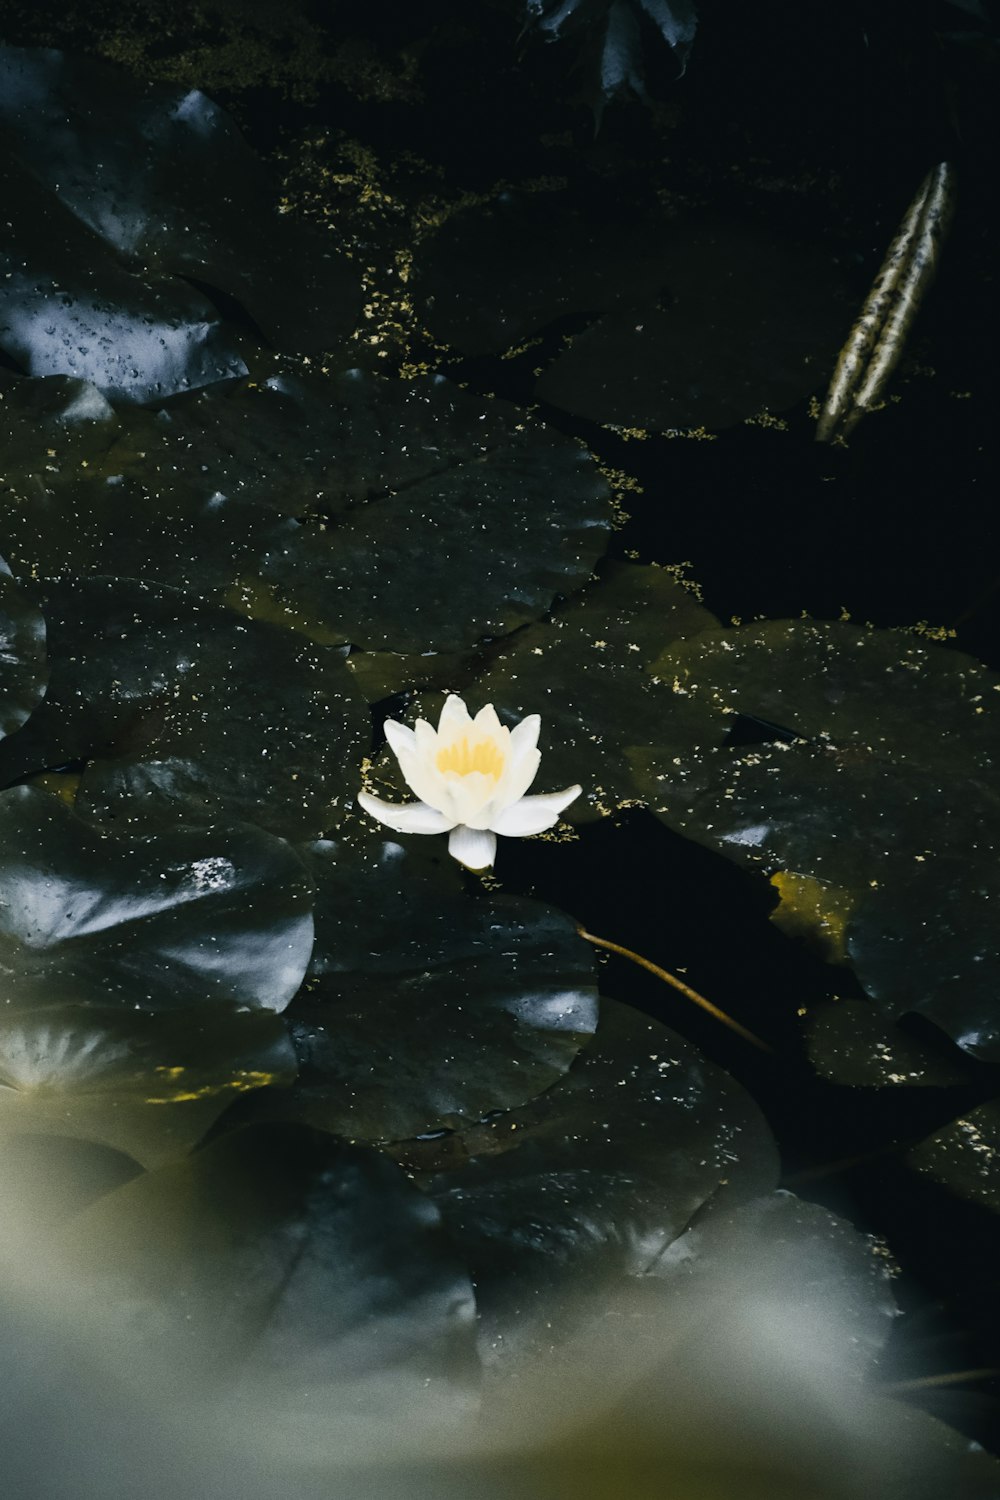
point(406, 817)
point(517, 778)
point(454, 717)
point(425, 739)
point(524, 736)
point(534, 814)
point(399, 737)
point(473, 847)
point(427, 782)
point(473, 798)
point(486, 722)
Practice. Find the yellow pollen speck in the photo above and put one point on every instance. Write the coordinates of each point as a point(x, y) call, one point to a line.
point(460, 757)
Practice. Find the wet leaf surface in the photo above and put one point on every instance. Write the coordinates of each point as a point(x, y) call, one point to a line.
point(190, 917)
point(189, 712)
point(596, 1177)
point(477, 519)
point(586, 672)
point(876, 781)
point(963, 1156)
point(280, 1264)
point(158, 177)
point(69, 307)
point(423, 1006)
point(851, 1043)
point(23, 666)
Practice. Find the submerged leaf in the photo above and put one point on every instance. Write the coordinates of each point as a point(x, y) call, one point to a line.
point(671, 323)
point(279, 1266)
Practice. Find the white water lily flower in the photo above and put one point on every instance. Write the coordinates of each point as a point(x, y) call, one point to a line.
point(471, 776)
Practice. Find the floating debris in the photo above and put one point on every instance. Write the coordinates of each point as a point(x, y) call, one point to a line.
point(876, 340)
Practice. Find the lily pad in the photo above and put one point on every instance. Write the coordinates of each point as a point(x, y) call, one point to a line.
point(851, 789)
point(686, 323)
point(585, 672)
point(147, 1085)
point(186, 711)
point(23, 666)
point(191, 917)
point(69, 307)
point(278, 1265)
point(162, 177)
point(851, 1042)
point(79, 470)
point(424, 1007)
point(964, 1156)
point(596, 1177)
point(475, 519)
point(474, 551)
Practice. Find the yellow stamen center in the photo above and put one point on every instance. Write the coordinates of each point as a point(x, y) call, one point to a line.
point(461, 757)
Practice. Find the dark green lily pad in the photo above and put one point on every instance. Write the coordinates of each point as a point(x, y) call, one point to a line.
point(475, 519)
point(964, 1156)
point(748, 321)
point(190, 917)
point(424, 1007)
point(585, 672)
point(69, 307)
point(189, 712)
point(852, 1043)
point(596, 1177)
point(23, 667)
point(690, 323)
point(79, 471)
point(146, 1085)
point(278, 1265)
point(162, 177)
point(472, 552)
point(874, 776)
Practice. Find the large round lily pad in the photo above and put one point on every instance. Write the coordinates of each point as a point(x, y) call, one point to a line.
point(23, 666)
point(585, 672)
point(873, 776)
point(424, 1007)
point(474, 551)
point(190, 917)
point(280, 1268)
point(190, 712)
point(400, 515)
point(596, 1177)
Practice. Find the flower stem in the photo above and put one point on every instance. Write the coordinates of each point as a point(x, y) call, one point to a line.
point(678, 984)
